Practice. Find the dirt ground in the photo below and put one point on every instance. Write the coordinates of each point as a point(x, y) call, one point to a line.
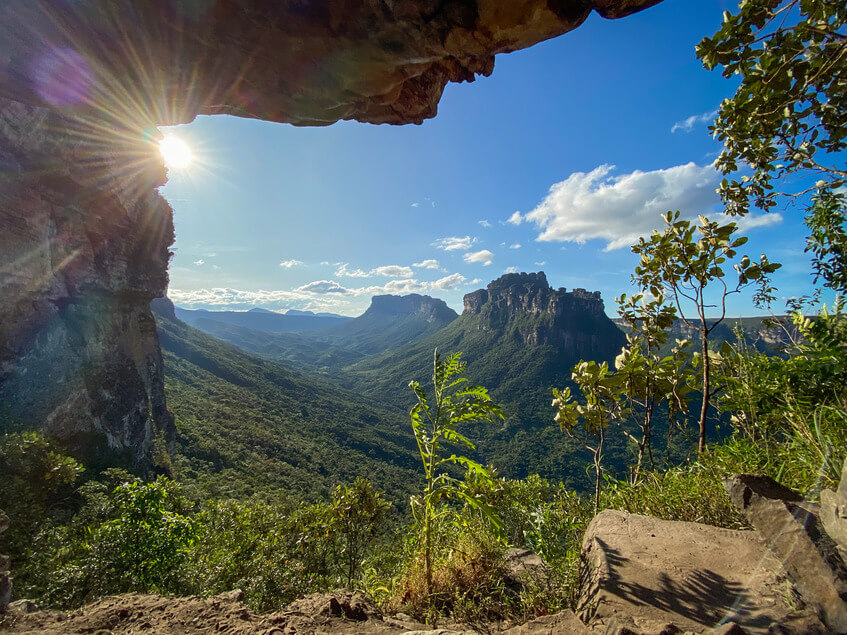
point(337, 612)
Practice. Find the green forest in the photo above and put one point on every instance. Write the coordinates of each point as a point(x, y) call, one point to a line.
point(409, 472)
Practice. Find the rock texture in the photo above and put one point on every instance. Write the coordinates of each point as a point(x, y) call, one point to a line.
point(643, 574)
point(572, 321)
point(296, 61)
point(84, 237)
point(5, 578)
point(792, 530)
point(834, 513)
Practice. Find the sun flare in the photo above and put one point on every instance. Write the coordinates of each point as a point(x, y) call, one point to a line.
point(175, 152)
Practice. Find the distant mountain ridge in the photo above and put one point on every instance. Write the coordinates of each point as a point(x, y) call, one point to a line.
point(263, 319)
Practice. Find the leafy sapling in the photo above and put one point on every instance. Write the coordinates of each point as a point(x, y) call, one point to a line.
point(434, 421)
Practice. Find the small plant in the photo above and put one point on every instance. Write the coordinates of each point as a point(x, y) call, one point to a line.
point(434, 420)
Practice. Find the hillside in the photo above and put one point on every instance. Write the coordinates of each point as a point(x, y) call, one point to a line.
point(390, 322)
point(520, 338)
point(263, 320)
point(294, 349)
point(245, 425)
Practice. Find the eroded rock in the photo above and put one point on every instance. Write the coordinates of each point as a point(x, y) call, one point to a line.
point(649, 575)
point(792, 530)
point(834, 513)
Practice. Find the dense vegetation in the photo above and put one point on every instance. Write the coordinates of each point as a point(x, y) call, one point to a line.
point(255, 503)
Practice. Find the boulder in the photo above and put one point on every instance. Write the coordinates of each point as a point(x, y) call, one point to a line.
point(656, 576)
point(564, 622)
point(792, 530)
point(834, 513)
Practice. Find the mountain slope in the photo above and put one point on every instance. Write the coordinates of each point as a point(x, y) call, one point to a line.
point(519, 338)
point(246, 425)
point(390, 322)
point(262, 319)
point(293, 349)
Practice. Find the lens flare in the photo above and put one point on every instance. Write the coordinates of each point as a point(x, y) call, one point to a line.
point(175, 152)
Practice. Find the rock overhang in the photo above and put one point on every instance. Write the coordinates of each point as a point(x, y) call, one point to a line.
point(304, 62)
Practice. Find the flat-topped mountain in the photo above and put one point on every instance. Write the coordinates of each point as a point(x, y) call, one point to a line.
point(391, 321)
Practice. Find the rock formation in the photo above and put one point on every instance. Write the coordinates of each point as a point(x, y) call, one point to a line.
point(5, 577)
point(83, 84)
point(791, 529)
point(645, 575)
point(572, 321)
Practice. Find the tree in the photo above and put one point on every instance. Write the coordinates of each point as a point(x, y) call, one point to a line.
point(588, 422)
point(650, 378)
point(789, 114)
point(434, 422)
point(827, 223)
point(677, 265)
point(356, 512)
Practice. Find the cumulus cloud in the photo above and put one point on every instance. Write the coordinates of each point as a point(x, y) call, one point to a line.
point(448, 283)
point(541, 264)
point(485, 223)
point(393, 271)
point(323, 286)
point(511, 270)
point(200, 262)
point(515, 246)
point(427, 264)
point(515, 219)
point(343, 271)
point(620, 209)
point(454, 243)
point(687, 125)
point(287, 264)
point(483, 257)
point(476, 281)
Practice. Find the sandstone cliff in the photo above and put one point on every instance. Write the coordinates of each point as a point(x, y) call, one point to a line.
point(84, 236)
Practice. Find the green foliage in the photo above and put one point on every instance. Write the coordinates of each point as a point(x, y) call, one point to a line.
point(37, 487)
point(789, 114)
point(604, 405)
point(677, 264)
point(434, 423)
point(136, 538)
point(827, 223)
point(692, 493)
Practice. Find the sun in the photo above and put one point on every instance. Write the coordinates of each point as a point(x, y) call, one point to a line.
point(175, 152)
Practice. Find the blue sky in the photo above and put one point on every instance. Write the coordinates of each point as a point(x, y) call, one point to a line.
point(555, 163)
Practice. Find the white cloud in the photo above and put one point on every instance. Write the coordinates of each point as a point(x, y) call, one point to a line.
point(511, 270)
point(343, 271)
point(390, 271)
point(448, 283)
point(454, 243)
point(393, 271)
point(484, 257)
point(395, 287)
point(323, 286)
point(416, 204)
point(287, 264)
point(515, 219)
point(620, 209)
point(200, 262)
point(324, 263)
point(541, 264)
point(687, 125)
point(427, 264)
point(485, 223)
point(476, 281)
point(515, 246)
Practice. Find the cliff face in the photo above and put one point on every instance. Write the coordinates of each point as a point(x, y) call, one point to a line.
point(575, 321)
point(84, 240)
point(84, 237)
